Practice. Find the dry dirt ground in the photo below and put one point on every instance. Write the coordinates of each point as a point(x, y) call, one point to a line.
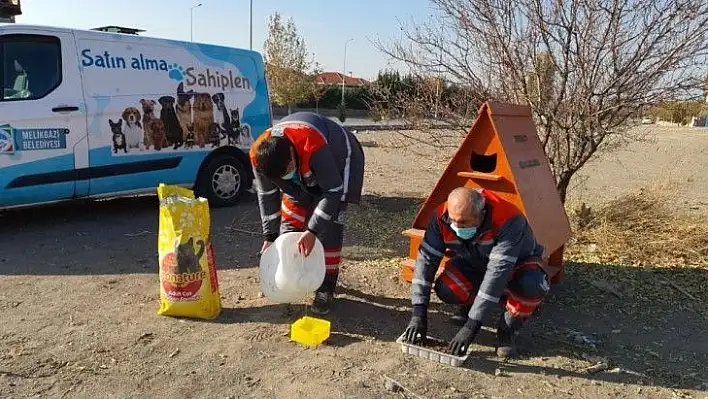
point(78, 299)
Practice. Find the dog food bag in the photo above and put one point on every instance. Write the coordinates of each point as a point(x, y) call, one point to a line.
point(188, 281)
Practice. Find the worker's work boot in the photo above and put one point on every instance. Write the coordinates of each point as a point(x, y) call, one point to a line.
point(459, 318)
point(322, 303)
point(506, 337)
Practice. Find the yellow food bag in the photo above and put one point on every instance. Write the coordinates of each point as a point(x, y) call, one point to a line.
point(188, 282)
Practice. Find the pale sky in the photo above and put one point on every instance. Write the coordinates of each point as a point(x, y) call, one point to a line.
point(325, 25)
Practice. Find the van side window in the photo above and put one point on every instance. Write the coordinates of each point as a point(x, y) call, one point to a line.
point(31, 66)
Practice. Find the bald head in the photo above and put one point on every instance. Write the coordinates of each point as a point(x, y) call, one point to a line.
point(465, 206)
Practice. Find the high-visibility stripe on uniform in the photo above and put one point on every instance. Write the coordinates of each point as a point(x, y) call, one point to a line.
point(269, 192)
point(457, 283)
point(517, 305)
point(293, 214)
point(333, 258)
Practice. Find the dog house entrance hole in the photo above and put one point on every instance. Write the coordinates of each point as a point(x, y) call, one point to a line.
point(483, 163)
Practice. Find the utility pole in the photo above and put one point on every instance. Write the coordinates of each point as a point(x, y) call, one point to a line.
point(344, 70)
point(250, 29)
point(191, 22)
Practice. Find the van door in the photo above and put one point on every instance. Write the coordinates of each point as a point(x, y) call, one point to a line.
point(43, 146)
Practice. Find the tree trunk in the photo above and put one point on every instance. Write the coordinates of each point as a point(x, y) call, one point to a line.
point(562, 185)
point(290, 109)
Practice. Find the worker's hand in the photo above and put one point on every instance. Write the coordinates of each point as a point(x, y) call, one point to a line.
point(306, 243)
point(459, 345)
point(417, 330)
point(265, 246)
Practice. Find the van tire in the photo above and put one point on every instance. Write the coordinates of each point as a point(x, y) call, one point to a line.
point(216, 178)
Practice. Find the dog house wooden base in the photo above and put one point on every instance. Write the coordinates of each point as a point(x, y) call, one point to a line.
point(502, 153)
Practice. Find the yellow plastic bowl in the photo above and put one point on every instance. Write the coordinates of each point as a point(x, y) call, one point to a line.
point(309, 331)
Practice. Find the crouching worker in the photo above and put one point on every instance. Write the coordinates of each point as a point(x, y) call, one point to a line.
point(307, 168)
point(494, 260)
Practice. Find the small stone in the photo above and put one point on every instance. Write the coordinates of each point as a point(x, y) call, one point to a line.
point(260, 295)
point(498, 373)
point(174, 353)
point(103, 366)
point(391, 385)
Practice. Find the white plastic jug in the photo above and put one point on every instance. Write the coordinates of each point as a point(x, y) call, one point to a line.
point(287, 276)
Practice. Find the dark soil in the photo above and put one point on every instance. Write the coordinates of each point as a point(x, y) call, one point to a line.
point(434, 344)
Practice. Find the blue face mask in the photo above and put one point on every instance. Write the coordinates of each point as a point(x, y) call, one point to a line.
point(464, 232)
point(292, 176)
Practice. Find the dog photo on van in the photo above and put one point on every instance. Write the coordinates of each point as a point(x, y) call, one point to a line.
point(184, 108)
point(168, 116)
point(148, 117)
point(221, 116)
point(203, 118)
point(242, 130)
point(132, 129)
point(118, 136)
point(187, 119)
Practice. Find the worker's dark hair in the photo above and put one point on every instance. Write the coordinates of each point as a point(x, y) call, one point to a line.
point(273, 157)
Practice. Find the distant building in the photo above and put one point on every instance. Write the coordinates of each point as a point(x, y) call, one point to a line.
point(335, 79)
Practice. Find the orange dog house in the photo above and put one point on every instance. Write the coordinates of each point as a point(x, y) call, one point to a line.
point(502, 153)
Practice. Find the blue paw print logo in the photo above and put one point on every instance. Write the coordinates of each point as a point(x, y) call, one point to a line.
point(176, 72)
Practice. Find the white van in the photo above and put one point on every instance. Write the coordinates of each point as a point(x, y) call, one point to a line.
point(96, 114)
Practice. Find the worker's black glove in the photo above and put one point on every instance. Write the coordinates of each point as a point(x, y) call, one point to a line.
point(458, 346)
point(417, 329)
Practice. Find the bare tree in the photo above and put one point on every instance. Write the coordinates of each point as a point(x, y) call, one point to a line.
point(585, 67)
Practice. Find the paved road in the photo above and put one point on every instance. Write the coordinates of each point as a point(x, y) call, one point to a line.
point(368, 124)
point(357, 122)
point(111, 237)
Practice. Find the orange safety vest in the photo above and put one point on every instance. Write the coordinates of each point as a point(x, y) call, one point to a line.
point(501, 212)
point(305, 140)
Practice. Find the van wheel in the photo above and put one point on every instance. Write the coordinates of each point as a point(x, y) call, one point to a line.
point(222, 181)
